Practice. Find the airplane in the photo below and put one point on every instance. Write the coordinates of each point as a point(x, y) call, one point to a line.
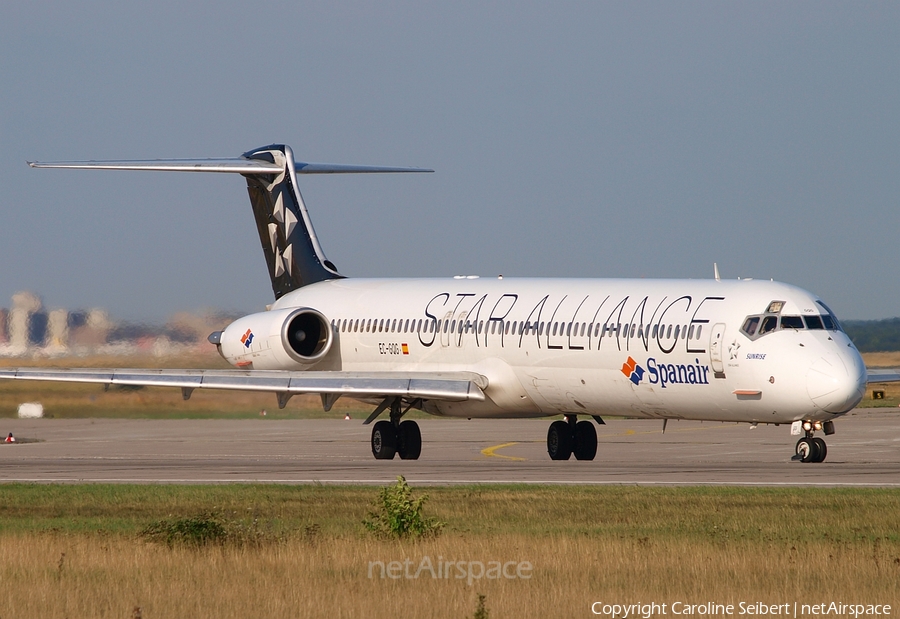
point(748, 351)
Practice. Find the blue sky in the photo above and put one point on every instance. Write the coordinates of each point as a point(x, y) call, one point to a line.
point(569, 139)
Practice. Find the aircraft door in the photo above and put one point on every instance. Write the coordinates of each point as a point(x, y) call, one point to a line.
point(716, 344)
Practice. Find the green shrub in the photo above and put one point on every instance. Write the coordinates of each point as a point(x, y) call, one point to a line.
point(397, 514)
point(199, 531)
point(214, 528)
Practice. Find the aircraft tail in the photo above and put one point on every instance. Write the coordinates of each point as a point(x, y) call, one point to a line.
point(293, 254)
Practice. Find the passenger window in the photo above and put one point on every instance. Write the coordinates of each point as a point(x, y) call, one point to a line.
point(769, 324)
point(669, 332)
point(677, 331)
point(699, 329)
point(655, 330)
point(791, 322)
point(750, 326)
point(691, 333)
point(814, 322)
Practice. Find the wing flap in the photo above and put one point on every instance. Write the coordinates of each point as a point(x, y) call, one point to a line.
point(451, 386)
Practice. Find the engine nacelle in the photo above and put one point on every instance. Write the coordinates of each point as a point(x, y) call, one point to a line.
point(276, 340)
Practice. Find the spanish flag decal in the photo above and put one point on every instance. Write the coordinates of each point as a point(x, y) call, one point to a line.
point(404, 348)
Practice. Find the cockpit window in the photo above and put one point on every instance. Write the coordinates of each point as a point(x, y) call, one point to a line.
point(750, 325)
point(791, 322)
point(814, 322)
point(769, 324)
point(830, 320)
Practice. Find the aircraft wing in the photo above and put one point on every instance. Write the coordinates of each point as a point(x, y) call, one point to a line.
point(449, 386)
point(883, 375)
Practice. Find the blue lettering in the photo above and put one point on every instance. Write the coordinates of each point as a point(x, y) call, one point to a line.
point(651, 369)
point(665, 374)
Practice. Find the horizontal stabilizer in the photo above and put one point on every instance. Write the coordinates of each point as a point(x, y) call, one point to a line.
point(292, 251)
point(236, 165)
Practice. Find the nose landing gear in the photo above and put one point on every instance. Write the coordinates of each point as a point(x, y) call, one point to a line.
point(571, 436)
point(812, 448)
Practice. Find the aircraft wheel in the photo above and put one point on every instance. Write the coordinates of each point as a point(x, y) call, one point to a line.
point(822, 449)
point(410, 440)
point(807, 449)
point(559, 441)
point(585, 447)
point(384, 440)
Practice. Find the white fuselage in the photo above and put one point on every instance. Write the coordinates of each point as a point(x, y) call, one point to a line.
point(633, 347)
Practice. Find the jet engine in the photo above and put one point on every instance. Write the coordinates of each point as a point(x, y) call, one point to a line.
point(276, 340)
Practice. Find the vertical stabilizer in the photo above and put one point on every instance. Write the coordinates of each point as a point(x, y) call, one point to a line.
point(293, 254)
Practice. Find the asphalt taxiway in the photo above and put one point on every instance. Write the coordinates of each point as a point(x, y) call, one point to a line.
point(865, 451)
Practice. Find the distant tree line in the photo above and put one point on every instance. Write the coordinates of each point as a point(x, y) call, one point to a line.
point(874, 335)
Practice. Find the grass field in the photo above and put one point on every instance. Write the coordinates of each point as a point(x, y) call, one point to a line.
point(77, 551)
point(61, 400)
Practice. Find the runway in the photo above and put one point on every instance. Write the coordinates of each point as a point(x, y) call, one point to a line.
point(865, 451)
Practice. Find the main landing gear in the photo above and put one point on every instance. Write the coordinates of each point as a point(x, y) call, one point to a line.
point(395, 437)
point(571, 436)
point(812, 448)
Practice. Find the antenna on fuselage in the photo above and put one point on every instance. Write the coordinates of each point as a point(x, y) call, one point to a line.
point(716, 271)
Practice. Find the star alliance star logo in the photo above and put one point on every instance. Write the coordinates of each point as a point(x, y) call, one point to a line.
point(733, 349)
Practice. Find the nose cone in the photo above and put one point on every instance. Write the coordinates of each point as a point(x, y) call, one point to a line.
point(836, 382)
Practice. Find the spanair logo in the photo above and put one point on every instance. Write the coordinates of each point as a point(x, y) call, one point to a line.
point(665, 374)
point(247, 338)
point(633, 371)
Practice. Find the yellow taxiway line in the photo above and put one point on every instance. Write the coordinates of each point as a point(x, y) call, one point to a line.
point(492, 452)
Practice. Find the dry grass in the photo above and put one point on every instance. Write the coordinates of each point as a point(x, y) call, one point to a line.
point(88, 576)
point(882, 359)
point(891, 390)
point(585, 544)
